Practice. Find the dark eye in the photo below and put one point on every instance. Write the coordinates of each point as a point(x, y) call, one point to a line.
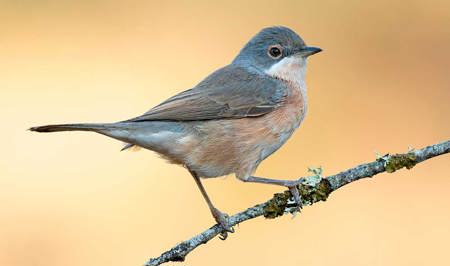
point(275, 51)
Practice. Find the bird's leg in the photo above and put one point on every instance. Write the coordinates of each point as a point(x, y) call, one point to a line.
point(290, 184)
point(221, 218)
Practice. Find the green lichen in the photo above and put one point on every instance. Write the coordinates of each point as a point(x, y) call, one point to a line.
point(398, 161)
point(276, 206)
point(309, 195)
point(312, 194)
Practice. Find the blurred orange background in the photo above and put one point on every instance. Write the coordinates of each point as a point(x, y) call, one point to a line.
point(381, 84)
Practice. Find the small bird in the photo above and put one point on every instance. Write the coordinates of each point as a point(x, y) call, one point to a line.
point(231, 121)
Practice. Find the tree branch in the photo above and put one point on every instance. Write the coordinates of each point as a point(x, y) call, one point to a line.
point(313, 189)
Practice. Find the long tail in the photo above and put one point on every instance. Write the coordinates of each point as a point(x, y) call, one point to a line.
point(144, 134)
point(70, 127)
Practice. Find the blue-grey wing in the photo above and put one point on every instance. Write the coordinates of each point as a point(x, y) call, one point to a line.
point(230, 92)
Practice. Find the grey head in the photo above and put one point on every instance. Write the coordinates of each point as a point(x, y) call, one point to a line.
point(270, 46)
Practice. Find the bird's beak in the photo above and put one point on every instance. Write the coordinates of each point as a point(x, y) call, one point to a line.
point(309, 50)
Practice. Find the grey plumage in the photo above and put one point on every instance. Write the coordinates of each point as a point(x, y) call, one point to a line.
point(254, 53)
point(230, 92)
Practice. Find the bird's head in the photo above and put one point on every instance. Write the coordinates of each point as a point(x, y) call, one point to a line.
point(276, 51)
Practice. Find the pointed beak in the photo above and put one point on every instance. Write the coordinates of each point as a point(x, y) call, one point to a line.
point(308, 51)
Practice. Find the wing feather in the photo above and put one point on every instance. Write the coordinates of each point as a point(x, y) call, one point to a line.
point(230, 92)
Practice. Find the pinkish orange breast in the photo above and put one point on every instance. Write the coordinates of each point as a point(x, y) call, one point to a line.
point(239, 145)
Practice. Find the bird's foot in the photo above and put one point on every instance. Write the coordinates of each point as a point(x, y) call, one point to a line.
point(293, 188)
point(222, 219)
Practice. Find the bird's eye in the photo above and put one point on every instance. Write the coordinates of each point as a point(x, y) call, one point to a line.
point(275, 51)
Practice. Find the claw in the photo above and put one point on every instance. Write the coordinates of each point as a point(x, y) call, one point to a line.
point(223, 235)
point(222, 220)
point(296, 195)
point(292, 186)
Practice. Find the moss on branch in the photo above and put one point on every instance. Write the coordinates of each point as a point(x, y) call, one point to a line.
point(398, 161)
point(309, 195)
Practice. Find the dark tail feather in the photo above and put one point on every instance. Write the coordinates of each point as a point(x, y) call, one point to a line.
point(69, 127)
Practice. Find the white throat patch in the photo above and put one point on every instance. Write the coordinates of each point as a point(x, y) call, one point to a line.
point(291, 69)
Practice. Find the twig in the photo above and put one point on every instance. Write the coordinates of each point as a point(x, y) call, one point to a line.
point(313, 189)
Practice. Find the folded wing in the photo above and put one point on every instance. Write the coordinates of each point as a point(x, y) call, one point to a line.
point(230, 92)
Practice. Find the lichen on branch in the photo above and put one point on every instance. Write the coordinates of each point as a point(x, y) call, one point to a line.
point(398, 161)
point(279, 204)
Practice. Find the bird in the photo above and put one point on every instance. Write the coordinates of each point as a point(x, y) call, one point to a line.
point(229, 122)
